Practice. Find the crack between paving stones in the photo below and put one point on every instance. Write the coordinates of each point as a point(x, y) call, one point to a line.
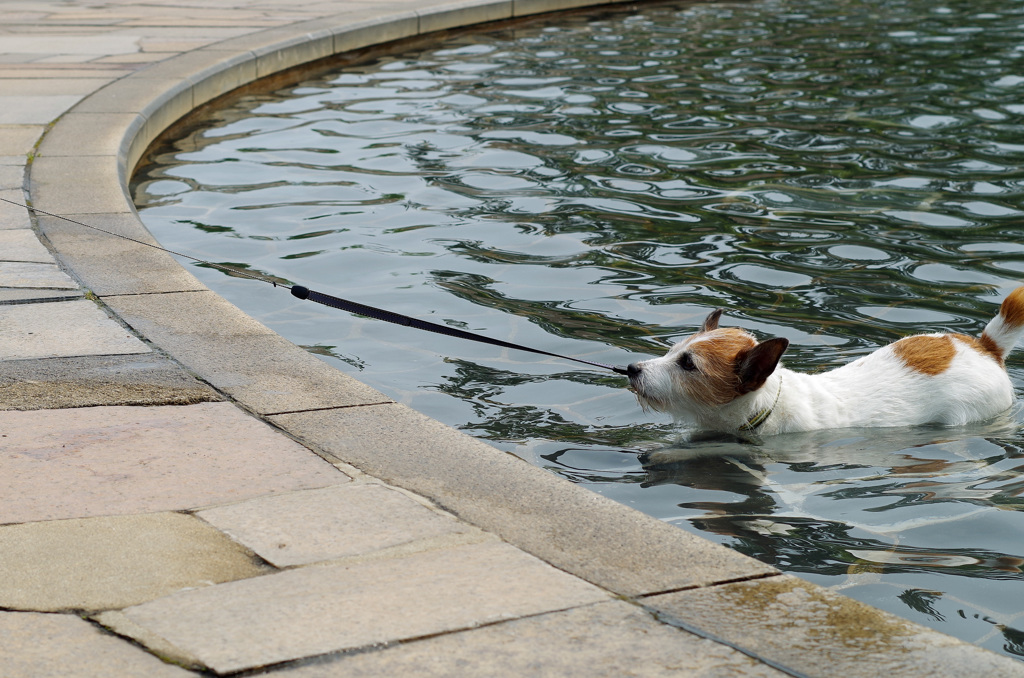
point(42, 300)
point(328, 409)
point(723, 582)
point(670, 619)
point(676, 622)
point(327, 658)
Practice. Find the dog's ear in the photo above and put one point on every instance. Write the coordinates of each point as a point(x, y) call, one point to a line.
point(755, 365)
point(711, 322)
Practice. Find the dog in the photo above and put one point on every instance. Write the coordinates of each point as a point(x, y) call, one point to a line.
point(723, 379)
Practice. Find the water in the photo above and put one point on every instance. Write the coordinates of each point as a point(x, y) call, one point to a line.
point(838, 173)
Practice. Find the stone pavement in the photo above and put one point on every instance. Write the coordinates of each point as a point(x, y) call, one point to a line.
point(183, 492)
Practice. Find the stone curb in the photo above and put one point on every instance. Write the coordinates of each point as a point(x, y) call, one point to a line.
point(620, 549)
point(608, 546)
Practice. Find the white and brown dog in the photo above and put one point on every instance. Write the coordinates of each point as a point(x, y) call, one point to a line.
point(722, 379)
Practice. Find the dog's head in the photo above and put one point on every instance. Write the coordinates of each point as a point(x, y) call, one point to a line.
point(705, 371)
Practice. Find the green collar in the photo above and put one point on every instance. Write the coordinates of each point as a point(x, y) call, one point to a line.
point(762, 415)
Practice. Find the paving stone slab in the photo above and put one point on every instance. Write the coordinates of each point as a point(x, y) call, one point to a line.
point(817, 632)
point(40, 68)
point(12, 216)
point(23, 245)
point(93, 45)
point(18, 140)
point(606, 640)
point(42, 331)
point(12, 176)
point(54, 86)
point(88, 381)
point(579, 531)
point(108, 563)
point(335, 522)
point(227, 348)
point(35, 275)
point(61, 645)
point(112, 460)
point(34, 110)
point(319, 609)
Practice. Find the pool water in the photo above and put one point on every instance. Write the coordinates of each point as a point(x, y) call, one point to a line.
point(838, 173)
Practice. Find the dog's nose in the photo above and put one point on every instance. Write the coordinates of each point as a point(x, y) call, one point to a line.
point(633, 369)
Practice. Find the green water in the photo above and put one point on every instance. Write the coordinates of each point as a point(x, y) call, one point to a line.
point(838, 173)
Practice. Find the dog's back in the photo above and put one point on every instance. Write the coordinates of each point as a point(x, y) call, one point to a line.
point(931, 378)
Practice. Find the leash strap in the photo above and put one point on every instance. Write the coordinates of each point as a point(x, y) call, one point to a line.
point(397, 318)
point(334, 302)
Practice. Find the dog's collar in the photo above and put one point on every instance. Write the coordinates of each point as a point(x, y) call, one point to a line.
point(762, 415)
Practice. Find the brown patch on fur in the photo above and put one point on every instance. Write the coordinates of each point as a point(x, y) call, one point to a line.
point(715, 358)
point(985, 345)
point(1012, 308)
point(926, 354)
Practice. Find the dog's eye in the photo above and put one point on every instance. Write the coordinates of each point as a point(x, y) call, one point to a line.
point(686, 362)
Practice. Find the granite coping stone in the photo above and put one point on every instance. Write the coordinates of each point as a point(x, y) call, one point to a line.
point(63, 645)
point(606, 640)
point(85, 134)
point(106, 563)
point(57, 184)
point(375, 29)
point(528, 7)
point(453, 15)
point(144, 89)
point(241, 357)
point(95, 461)
point(818, 632)
point(573, 528)
point(108, 265)
point(344, 606)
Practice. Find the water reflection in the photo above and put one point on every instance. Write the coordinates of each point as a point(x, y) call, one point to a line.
point(871, 509)
point(841, 174)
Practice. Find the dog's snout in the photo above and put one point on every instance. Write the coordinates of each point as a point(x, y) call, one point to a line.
point(633, 369)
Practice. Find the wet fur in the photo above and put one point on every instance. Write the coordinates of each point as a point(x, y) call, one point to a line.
point(723, 379)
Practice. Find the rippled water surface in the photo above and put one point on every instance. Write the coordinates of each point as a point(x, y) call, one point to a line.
point(840, 173)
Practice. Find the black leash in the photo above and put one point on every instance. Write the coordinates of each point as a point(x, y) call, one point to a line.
point(305, 293)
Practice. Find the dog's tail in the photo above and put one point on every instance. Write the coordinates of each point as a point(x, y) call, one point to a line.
point(1003, 331)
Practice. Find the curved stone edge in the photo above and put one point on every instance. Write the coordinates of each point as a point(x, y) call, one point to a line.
point(82, 170)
